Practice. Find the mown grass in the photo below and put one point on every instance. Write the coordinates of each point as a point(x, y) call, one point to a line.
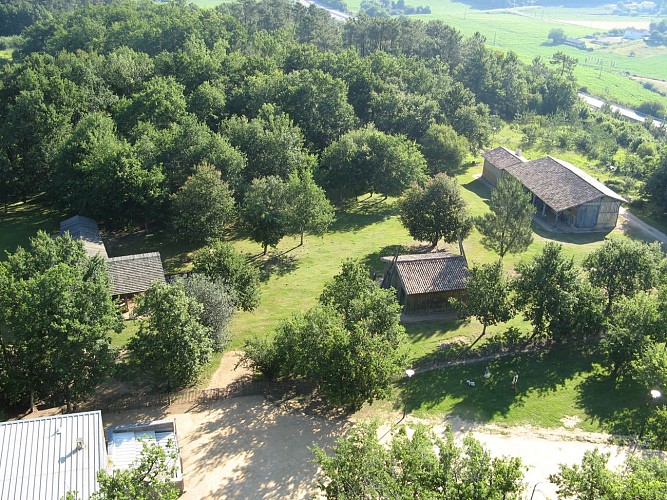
point(553, 384)
point(23, 220)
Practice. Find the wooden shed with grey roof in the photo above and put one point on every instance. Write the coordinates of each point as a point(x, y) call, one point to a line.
point(497, 160)
point(85, 230)
point(426, 283)
point(568, 195)
point(575, 198)
point(132, 274)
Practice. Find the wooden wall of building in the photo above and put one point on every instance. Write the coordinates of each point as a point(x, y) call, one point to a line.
point(430, 302)
point(491, 173)
point(608, 215)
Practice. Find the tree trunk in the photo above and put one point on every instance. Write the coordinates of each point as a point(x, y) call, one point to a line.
point(478, 338)
point(301, 244)
point(461, 251)
point(32, 401)
point(266, 248)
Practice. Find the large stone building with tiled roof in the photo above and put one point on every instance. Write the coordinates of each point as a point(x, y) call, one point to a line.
point(568, 195)
point(426, 282)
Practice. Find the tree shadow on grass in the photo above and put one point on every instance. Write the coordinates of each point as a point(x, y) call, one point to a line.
point(419, 332)
point(480, 188)
point(278, 264)
point(368, 211)
point(542, 372)
point(619, 407)
point(575, 238)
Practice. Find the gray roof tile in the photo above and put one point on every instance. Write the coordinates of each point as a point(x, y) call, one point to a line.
point(501, 157)
point(135, 273)
point(560, 184)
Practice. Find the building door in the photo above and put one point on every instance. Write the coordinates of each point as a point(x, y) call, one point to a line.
point(587, 216)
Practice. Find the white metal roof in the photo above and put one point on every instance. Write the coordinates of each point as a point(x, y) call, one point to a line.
point(125, 443)
point(45, 458)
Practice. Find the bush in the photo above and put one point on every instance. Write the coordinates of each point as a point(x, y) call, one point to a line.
point(261, 355)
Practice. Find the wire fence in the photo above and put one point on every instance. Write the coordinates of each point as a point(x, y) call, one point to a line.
point(236, 389)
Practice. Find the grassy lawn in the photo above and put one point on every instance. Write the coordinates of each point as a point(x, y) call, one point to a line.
point(555, 384)
point(552, 385)
point(23, 220)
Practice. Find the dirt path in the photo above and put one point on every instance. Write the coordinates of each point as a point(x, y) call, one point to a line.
point(227, 372)
point(250, 448)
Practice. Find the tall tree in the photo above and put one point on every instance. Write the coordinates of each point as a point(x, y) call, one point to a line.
point(202, 207)
point(436, 211)
point(219, 261)
point(350, 344)
point(487, 297)
point(218, 302)
point(308, 209)
point(545, 285)
point(171, 344)
point(271, 142)
point(367, 160)
point(264, 211)
point(507, 228)
point(621, 267)
point(56, 316)
point(635, 324)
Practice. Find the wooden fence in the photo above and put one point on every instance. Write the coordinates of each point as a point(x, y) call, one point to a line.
point(236, 389)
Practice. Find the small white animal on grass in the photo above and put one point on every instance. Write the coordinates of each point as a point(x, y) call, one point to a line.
point(471, 383)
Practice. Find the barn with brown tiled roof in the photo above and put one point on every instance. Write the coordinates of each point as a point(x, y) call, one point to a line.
point(426, 282)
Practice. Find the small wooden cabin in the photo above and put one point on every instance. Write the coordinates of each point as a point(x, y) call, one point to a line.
point(425, 283)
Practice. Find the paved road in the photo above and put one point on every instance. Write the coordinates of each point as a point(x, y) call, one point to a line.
point(336, 14)
point(595, 102)
point(634, 222)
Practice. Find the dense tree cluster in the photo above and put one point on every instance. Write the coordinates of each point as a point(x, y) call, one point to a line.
point(56, 315)
point(416, 465)
point(349, 344)
point(110, 108)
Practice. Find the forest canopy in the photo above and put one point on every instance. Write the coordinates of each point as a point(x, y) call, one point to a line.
point(131, 97)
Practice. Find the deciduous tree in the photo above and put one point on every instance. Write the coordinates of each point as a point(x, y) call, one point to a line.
point(308, 209)
point(487, 297)
point(203, 207)
point(436, 211)
point(218, 302)
point(622, 267)
point(56, 316)
point(171, 344)
point(416, 465)
point(148, 478)
point(545, 284)
point(264, 211)
point(642, 477)
point(219, 261)
point(444, 149)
